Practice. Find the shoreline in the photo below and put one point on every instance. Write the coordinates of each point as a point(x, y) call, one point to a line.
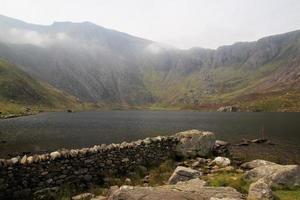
point(18, 115)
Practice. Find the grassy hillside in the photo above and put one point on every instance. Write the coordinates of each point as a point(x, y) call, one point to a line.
point(20, 94)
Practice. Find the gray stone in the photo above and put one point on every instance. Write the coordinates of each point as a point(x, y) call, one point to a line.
point(112, 189)
point(55, 155)
point(228, 109)
point(23, 160)
point(221, 143)
point(84, 196)
point(15, 160)
point(194, 143)
point(99, 198)
point(183, 174)
point(260, 190)
point(87, 178)
point(256, 163)
point(128, 181)
point(46, 193)
point(182, 190)
point(222, 161)
point(277, 176)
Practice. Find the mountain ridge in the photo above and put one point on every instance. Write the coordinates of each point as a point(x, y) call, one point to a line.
point(105, 66)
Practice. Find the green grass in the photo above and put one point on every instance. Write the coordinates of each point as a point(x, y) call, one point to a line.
point(21, 95)
point(160, 175)
point(287, 101)
point(287, 194)
point(235, 180)
point(230, 179)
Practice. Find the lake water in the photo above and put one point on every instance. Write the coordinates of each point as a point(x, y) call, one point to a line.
point(50, 131)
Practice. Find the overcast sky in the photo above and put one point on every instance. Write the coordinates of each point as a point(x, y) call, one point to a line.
point(180, 23)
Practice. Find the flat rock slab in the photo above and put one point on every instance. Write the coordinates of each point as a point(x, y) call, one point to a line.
point(192, 190)
point(183, 174)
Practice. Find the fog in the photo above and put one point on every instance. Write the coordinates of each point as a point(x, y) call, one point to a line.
point(22, 36)
point(179, 23)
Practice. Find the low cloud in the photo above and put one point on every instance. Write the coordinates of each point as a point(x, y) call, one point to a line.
point(23, 36)
point(157, 48)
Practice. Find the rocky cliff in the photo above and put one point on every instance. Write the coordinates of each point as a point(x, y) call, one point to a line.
point(101, 65)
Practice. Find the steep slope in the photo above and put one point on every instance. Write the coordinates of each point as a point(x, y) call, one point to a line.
point(20, 94)
point(101, 65)
point(85, 60)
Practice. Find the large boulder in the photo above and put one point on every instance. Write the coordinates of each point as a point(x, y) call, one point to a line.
point(192, 190)
point(194, 143)
point(256, 163)
point(277, 176)
point(260, 190)
point(183, 174)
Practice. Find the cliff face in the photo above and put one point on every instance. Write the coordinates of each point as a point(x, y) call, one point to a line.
point(102, 65)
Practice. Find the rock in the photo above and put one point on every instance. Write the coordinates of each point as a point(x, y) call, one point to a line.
point(99, 198)
point(192, 190)
point(221, 148)
point(221, 143)
point(15, 160)
point(112, 189)
point(259, 140)
point(125, 160)
point(87, 178)
point(228, 109)
point(46, 193)
point(243, 144)
point(239, 171)
point(194, 143)
point(256, 163)
point(183, 174)
point(23, 160)
point(84, 196)
point(30, 160)
point(190, 185)
point(225, 169)
point(128, 181)
point(221, 161)
point(201, 160)
point(277, 176)
point(55, 155)
point(260, 190)
point(196, 164)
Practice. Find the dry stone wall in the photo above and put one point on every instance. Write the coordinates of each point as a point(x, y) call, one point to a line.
point(20, 177)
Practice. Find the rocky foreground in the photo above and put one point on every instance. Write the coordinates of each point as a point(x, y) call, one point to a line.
point(202, 169)
point(191, 178)
point(187, 183)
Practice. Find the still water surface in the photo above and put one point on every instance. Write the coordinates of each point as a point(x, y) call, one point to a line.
point(50, 131)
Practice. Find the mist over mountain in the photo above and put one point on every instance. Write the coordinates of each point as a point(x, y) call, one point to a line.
point(101, 65)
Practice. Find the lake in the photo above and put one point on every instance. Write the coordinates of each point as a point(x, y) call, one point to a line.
point(51, 131)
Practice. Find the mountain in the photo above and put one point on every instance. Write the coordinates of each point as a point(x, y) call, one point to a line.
point(105, 66)
point(20, 94)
